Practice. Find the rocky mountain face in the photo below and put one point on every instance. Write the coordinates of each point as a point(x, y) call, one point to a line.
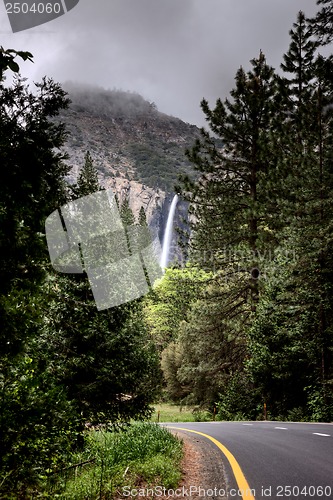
point(138, 151)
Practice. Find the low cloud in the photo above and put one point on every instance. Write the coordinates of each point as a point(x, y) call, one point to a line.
point(173, 52)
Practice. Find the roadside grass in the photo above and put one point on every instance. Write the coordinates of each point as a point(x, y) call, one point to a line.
point(144, 455)
point(176, 413)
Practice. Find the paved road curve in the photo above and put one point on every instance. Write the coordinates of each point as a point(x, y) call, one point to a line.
point(278, 460)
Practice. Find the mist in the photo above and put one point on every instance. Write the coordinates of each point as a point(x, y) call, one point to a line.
point(172, 52)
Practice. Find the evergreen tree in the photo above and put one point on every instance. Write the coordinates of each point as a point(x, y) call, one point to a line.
point(142, 217)
point(37, 421)
point(104, 358)
point(232, 202)
point(87, 182)
point(126, 213)
point(32, 186)
point(212, 340)
point(310, 180)
point(128, 221)
point(32, 183)
point(284, 345)
point(290, 343)
point(299, 59)
point(322, 23)
point(277, 152)
point(298, 122)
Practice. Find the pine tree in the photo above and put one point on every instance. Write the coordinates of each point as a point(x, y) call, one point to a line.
point(299, 119)
point(322, 23)
point(128, 221)
point(105, 358)
point(126, 213)
point(87, 182)
point(298, 60)
point(142, 217)
point(232, 201)
point(311, 179)
point(233, 210)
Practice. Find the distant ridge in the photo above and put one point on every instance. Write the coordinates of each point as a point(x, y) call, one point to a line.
point(127, 137)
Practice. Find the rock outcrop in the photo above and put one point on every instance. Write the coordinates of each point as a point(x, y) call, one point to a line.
point(138, 151)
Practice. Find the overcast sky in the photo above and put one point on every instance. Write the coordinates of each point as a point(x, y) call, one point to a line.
point(173, 52)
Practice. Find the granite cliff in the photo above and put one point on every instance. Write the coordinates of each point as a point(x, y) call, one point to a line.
point(138, 151)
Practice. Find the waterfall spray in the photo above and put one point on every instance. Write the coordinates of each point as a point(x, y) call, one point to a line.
point(168, 233)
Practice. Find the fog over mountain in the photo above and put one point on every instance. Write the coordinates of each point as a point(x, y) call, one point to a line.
point(173, 52)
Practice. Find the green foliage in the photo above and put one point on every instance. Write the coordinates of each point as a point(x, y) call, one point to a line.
point(32, 175)
point(320, 403)
point(278, 362)
point(38, 423)
point(249, 323)
point(7, 60)
point(239, 399)
point(62, 363)
point(261, 219)
point(284, 342)
point(171, 362)
point(203, 344)
point(299, 58)
point(155, 163)
point(105, 358)
point(322, 23)
point(231, 203)
point(170, 301)
point(212, 341)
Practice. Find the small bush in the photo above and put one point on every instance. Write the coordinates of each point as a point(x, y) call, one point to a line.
point(238, 401)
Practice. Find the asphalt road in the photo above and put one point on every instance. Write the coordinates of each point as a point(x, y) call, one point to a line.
point(279, 460)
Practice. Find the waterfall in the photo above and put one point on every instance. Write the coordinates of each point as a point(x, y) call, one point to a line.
point(168, 233)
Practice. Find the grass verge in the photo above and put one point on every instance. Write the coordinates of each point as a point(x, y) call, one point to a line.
point(175, 413)
point(144, 455)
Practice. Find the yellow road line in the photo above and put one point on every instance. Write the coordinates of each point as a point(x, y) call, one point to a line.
point(243, 486)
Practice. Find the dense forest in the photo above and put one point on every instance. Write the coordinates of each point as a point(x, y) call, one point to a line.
point(63, 364)
point(245, 327)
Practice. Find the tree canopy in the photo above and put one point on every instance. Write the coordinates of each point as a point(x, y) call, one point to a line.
point(62, 362)
point(260, 210)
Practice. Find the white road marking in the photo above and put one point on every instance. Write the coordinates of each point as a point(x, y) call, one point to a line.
point(282, 428)
point(320, 434)
point(247, 424)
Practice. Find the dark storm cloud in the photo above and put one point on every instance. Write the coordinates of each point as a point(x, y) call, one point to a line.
point(173, 52)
